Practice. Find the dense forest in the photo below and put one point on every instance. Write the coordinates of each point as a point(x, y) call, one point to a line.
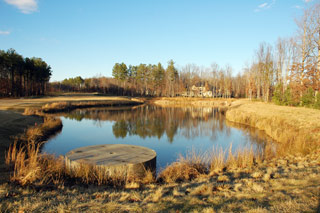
point(287, 72)
point(21, 76)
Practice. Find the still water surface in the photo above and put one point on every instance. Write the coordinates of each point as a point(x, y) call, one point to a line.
point(168, 131)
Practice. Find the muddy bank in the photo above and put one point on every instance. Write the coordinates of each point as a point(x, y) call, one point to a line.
point(12, 124)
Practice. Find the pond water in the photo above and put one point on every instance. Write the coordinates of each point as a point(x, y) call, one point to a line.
point(168, 131)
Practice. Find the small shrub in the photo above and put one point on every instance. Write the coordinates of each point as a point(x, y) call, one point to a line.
point(283, 98)
point(287, 98)
point(308, 98)
point(278, 95)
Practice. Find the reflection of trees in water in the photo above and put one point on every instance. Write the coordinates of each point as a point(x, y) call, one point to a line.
point(259, 136)
point(120, 129)
point(204, 121)
point(153, 121)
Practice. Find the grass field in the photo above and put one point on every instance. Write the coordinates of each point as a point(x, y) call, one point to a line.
point(20, 104)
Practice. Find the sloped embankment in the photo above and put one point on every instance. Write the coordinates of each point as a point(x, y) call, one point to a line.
point(296, 129)
point(192, 102)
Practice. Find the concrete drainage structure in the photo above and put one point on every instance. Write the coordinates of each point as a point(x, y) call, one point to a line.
point(115, 159)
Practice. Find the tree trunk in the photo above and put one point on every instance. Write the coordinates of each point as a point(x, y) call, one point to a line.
point(302, 63)
point(12, 82)
point(318, 67)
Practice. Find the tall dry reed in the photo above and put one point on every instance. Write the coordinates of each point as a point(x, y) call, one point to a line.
point(196, 164)
point(186, 167)
point(33, 167)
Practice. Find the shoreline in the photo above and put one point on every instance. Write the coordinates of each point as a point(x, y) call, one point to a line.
point(286, 173)
point(296, 130)
point(193, 102)
point(36, 117)
point(289, 184)
point(12, 124)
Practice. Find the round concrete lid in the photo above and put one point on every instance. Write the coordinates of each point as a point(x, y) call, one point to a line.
point(112, 154)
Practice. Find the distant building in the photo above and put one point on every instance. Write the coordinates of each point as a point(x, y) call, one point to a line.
point(198, 92)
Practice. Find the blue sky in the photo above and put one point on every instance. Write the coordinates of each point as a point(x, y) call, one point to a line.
point(86, 38)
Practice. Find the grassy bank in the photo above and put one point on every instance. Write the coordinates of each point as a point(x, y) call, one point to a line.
point(12, 125)
point(42, 106)
point(32, 167)
point(193, 102)
point(20, 150)
point(288, 184)
point(199, 182)
point(71, 105)
point(297, 130)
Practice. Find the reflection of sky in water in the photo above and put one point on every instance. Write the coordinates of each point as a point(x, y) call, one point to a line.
point(201, 135)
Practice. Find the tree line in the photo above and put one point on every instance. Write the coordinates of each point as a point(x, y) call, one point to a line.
point(155, 80)
point(287, 72)
point(21, 76)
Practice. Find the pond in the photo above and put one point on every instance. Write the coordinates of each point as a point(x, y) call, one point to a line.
point(167, 130)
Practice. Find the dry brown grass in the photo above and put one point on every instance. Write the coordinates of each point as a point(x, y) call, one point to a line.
point(21, 104)
point(293, 190)
point(242, 158)
point(179, 171)
point(41, 132)
point(218, 159)
point(185, 168)
point(11, 153)
point(195, 102)
point(296, 129)
point(62, 106)
point(32, 167)
point(92, 174)
point(28, 164)
point(32, 111)
point(228, 160)
point(296, 190)
point(25, 160)
point(149, 177)
point(70, 105)
point(196, 164)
